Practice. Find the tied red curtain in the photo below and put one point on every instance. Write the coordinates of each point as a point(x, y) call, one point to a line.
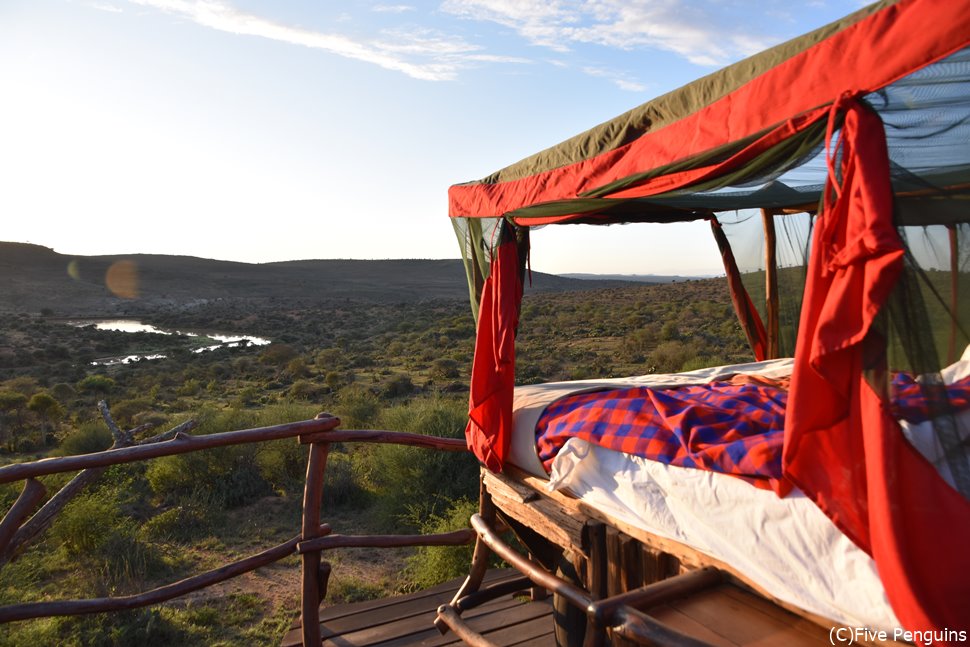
point(489, 430)
point(842, 447)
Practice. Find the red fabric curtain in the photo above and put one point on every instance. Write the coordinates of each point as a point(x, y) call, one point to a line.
point(489, 430)
point(842, 448)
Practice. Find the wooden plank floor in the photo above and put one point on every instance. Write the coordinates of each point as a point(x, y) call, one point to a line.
point(725, 616)
point(407, 620)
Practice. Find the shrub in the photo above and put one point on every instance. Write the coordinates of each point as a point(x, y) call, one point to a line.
point(181, 523)
point(96, 384)
point(431, 565)
point(344, 478)
point(93, 529)
point(88, 438)
point(397, 386)
point(404, 476)
point(670, 356)
point(357, 407)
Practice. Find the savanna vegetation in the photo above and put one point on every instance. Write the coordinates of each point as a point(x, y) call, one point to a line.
point(394, 366)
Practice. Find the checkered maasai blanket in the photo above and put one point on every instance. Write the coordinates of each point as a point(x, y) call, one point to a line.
point(735, 426)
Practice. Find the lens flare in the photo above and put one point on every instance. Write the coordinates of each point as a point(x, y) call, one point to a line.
point(122, 279)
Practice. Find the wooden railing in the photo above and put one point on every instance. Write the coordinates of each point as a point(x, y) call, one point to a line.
point(16, 529)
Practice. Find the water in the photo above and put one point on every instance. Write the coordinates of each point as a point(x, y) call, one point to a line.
point(131, 325)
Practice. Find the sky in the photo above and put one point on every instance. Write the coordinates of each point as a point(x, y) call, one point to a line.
point(259, 131)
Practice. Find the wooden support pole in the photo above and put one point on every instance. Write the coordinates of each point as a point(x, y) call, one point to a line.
point(951, 353)
point(25, 504)
point(311, 585)
point(597, 578)
point(771, 283)
point(480, 555)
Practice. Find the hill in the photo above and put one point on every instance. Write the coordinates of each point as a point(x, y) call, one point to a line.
point(37, 278)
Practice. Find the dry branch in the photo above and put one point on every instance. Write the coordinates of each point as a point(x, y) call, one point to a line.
point(45, 516)
point(155, 596)
point(26, 503)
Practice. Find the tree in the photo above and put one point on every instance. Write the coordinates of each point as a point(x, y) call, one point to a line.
point(12, 404)
point(48, 410)
point(96, 384)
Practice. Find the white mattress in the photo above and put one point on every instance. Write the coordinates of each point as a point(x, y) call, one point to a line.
point(786, 546)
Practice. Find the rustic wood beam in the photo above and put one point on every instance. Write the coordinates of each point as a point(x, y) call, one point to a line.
point(310, 578)
point(30, 497)
point(45, 516)
point(180, 444)
point(534, 572)
point(771, 282)
point(660, 592)
point(456, 538)
point(385, 437)
point(155, 596)
point(641, 628)
point(951, 354)
point(450, 617)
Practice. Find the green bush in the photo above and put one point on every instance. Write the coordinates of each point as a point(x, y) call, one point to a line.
point(343, 481)
point(93, 530)
point(357, 407)
point(432, 565)
point(403, 477)
point(88, 438)
point(181, 523)
point(670, 356)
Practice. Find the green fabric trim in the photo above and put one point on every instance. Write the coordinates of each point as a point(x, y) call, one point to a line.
point(670, 107)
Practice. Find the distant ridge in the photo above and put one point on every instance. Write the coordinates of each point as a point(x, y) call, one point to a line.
point(637, 278)
point(35, 278)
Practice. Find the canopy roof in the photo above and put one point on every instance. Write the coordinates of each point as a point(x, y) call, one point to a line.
point(691, 151)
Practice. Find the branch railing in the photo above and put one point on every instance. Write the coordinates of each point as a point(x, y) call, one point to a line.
point(314, 536)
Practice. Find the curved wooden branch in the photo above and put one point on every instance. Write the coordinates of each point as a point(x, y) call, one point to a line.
point(180, 444)
point(155, 596)
point(387, 437)
point(456, 538)
point(25, 504)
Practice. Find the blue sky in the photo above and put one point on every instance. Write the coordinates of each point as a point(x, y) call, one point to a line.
point(260, 131)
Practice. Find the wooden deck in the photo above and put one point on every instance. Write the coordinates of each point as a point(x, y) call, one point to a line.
point(406, 620)
point(726, 616)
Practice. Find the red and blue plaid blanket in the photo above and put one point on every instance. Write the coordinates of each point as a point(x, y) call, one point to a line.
point(733, 427)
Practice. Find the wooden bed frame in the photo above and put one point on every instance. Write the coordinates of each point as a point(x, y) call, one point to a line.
point(622, 572)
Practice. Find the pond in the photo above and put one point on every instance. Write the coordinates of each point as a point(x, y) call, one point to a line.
point(225, 340)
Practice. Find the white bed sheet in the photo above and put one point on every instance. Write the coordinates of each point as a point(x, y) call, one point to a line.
point(786, 546)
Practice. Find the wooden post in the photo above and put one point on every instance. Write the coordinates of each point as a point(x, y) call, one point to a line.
point(771, 282)
point(25, 504)
point(312, 499)
point(951, 354)
point(596, 577)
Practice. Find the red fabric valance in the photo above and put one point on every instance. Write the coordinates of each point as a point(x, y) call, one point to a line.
point(865, 56)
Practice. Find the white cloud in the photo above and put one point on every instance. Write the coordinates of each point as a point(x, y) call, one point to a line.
point(703, 33)
point(104, 6)
point(392, 8)
point(619, 79)
point(419, 53)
